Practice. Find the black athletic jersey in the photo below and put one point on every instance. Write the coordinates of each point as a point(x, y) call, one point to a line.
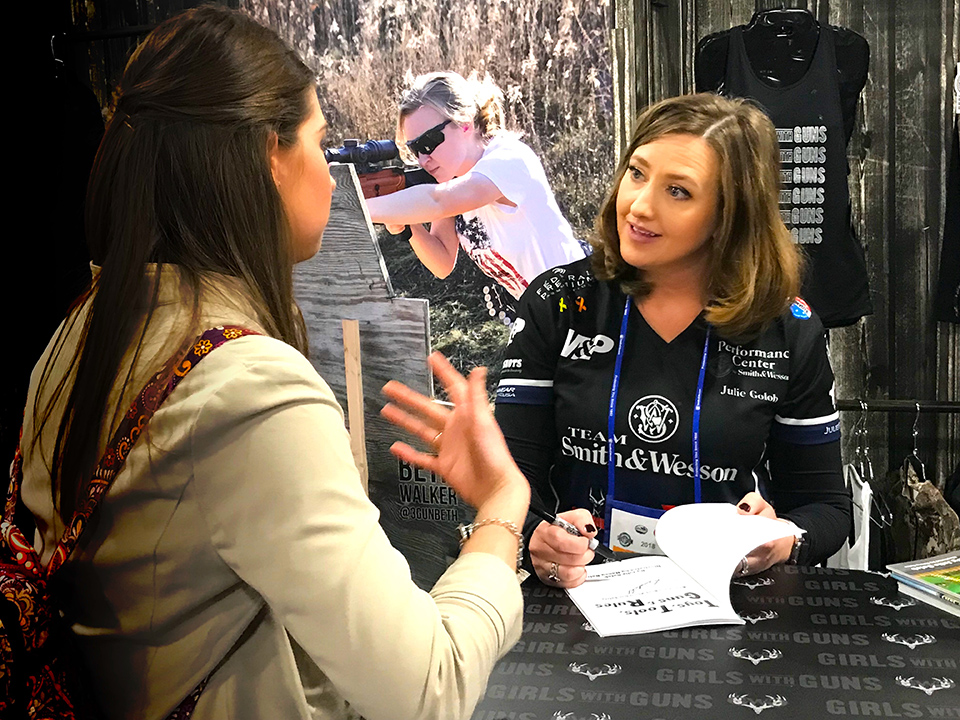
point(559, 365)
point(814, 195)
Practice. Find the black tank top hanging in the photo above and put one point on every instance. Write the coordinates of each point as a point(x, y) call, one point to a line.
point(814, 197)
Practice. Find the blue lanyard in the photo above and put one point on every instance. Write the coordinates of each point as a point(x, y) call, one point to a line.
point(611, 415)
point(612, 411)
point(696, 420)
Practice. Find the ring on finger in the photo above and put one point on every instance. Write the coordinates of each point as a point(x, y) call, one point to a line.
point(744, 565)
point(553, 576)
point(436, 438)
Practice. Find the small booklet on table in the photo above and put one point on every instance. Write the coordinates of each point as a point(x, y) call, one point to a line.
point(934, 580)
point(690, 585)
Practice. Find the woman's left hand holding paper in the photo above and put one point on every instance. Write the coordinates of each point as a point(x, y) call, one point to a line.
point(769, 554)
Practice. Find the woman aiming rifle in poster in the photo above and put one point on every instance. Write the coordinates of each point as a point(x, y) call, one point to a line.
point(492, 196)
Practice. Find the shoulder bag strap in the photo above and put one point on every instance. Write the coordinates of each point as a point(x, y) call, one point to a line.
point(141, 410)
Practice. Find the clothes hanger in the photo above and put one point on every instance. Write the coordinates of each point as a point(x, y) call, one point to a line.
point(914, 458)
point(853, 477)
point(884, 515)
point(865, 465)
point(785, 21)
point(781, 44)
point(860, 428)
point(859, 463)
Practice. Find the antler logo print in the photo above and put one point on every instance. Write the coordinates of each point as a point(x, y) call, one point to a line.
point(928, 686)
point(570, 716)
point(754, 618)
point(911, 642)
point(755, 658)
point(758, 705)
point(754, 583)
point(593, 674)
point(896, 604)
point(597, 502)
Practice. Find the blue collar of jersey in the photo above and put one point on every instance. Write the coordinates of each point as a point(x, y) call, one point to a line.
point(611, 415)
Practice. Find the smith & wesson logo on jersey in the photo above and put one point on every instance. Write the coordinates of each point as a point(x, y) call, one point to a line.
point(654, 418)
point(578, 347)
point(590, 446)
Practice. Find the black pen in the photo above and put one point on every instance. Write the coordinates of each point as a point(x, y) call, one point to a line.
point(601, 550)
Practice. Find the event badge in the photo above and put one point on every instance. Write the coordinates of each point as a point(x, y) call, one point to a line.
point(632, 528)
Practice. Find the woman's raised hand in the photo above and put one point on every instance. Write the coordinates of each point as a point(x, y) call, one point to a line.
point(471, 454)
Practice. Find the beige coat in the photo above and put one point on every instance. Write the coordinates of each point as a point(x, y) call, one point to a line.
point(239, 529)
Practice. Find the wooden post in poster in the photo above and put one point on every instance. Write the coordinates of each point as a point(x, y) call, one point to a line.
point(348, 281)
point(354, 378)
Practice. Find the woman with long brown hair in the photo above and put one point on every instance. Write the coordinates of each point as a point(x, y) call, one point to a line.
point(677, 363)
point(235, 555)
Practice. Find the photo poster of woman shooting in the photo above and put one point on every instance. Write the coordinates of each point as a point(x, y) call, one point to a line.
point(521, 160)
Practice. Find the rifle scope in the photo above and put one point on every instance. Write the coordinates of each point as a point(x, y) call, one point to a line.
point(372, 151)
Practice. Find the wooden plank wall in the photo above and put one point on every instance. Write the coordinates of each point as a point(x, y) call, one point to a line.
point(347, 279)
point(898, 161)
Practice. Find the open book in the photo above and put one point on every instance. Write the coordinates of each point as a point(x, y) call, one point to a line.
point(690, 585)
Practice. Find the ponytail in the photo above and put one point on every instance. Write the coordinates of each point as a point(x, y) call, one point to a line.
point(489, 119)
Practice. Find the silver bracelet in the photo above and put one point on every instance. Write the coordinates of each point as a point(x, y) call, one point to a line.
point(467, 530)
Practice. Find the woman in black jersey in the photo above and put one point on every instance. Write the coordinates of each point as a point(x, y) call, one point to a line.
point(680, 344)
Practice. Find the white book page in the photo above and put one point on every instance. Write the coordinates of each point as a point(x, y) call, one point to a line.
point(708, 540)
point(646, 594)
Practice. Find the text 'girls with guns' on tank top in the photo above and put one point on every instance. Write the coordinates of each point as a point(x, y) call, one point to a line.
point(806, 77)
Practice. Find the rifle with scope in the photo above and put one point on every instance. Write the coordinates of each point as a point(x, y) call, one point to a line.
point(371, 159)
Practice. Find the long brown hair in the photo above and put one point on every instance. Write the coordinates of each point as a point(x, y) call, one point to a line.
point(754, 268)
point(181, 177)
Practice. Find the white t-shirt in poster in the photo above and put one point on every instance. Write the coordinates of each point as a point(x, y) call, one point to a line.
point(513, 245)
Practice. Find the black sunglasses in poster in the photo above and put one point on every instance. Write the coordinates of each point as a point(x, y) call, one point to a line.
point(427, 141)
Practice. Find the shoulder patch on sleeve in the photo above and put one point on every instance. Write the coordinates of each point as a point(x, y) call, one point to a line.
point(807, 431)
point(525, 392)
point(800, 309)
